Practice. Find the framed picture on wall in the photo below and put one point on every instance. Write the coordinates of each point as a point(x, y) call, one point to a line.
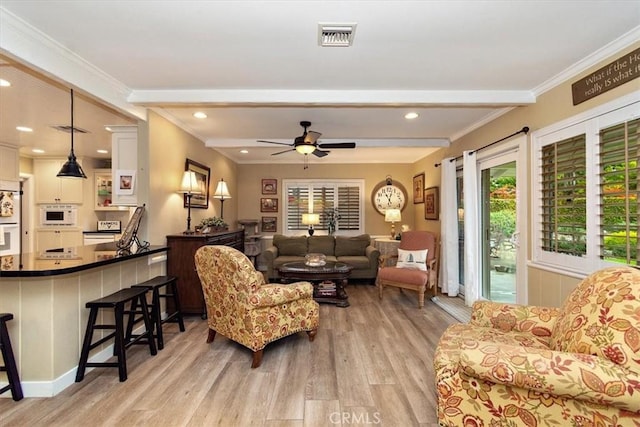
point(268, 204)
point(418, 188)
point(431, 203)
point(269, 224)
point(269, 186)
point(203, 176)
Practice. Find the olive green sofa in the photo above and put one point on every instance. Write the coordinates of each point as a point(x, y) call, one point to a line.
point(357, 251)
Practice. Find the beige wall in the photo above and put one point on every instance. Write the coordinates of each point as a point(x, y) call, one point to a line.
point(545, 288)
point(250, 181)
point(168, 148)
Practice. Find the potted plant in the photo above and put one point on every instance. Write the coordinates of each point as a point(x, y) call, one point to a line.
point(213, 224)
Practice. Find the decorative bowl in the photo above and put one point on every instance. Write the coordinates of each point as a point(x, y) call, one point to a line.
point(315, 260)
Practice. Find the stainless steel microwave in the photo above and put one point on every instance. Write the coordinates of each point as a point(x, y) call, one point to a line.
point(58, 215)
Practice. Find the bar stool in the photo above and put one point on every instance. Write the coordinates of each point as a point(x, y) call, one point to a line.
point(117, 302)
point(9, 361)
point(156, 284)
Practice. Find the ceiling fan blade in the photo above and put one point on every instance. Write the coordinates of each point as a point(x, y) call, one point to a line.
point(312, 137)
point(285, 151)
point(320, 153)
point(338, 145)
point(272, 142)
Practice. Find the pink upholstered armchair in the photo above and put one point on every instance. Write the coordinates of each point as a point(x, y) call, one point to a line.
point(411, 272)
point(515, 365)
point(242, 307)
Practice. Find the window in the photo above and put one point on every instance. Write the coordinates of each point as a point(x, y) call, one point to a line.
point(585, 189)
point(619, 190)
point(319, 196)
point(564, 203)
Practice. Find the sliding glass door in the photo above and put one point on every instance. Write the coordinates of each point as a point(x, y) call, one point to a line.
point(498, 228)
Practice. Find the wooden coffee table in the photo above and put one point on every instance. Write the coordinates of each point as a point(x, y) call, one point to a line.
point(337, 272)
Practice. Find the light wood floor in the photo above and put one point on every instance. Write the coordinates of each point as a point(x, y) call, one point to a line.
point(370, 364)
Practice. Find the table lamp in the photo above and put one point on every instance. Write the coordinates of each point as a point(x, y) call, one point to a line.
point(392, 216)
point(311, 219)
point(189, 187)
point(222, 193)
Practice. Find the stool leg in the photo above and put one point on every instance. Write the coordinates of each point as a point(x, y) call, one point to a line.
point(119, 348)
point(156, 317)
point(86, 344)
point(148, 325)
point(131, 320)
point(10, 363)
point(176, 299)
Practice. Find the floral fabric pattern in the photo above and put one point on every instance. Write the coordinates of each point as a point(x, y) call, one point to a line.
point(534, 366)
point(243, 308)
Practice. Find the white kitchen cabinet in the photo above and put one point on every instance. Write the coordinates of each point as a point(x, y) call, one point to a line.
point(54, 238)
point(9, 163)
point(103, 190)
point(50, 188)
point(124, 157)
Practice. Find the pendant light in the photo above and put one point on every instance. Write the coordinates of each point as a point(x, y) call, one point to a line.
point(71, 169)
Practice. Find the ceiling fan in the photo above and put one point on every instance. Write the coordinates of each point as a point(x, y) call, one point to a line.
point(307, 143)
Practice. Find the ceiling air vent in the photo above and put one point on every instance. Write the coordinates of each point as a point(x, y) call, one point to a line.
point(67, 129)
point(336, 35)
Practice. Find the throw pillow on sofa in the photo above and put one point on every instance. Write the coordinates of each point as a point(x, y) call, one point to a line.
point(321, 245)
point(290, 246)
point(355, 245)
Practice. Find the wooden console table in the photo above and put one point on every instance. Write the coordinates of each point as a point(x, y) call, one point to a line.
point(180, 263)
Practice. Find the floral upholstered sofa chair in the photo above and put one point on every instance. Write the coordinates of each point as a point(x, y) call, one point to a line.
point(243, 308)
point(534, 366)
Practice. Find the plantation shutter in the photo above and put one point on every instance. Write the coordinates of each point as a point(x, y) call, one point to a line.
point(618, 170)
point(349, 207)
point(298, 203)
point(323, 199)
point(564, 219)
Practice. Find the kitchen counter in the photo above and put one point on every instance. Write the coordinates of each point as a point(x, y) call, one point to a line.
point(47, 294)
point(69, 260)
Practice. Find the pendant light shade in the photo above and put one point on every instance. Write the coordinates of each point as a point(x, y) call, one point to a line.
point(71, 169)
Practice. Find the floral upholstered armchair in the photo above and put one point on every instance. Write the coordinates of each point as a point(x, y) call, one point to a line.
point(533, 366)
point(243, 308)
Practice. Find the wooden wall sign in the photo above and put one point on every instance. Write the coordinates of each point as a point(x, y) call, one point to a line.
point(620, 71)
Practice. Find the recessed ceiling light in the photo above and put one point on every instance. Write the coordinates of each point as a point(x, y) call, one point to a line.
point(244, 151)
point(107, 128)
point(24, 129)
point(410, 116)
point(37, 150)
point(199, 115)
point(102, 151)
point(5, 83)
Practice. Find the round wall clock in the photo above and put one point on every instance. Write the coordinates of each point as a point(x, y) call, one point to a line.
point(388, 195)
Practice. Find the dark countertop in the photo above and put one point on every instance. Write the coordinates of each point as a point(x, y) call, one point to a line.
point(71, 260)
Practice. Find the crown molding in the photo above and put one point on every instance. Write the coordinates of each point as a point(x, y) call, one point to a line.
point(591, 60)
point(27, 44)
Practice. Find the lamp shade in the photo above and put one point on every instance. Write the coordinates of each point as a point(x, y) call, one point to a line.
point(311, 219)
point(189, 183)
point(392, 215)
point(222, 191)
point(305, 148)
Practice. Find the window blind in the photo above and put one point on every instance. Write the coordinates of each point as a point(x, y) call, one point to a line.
point(305, 196)
point(618, 173)
point(563, 204)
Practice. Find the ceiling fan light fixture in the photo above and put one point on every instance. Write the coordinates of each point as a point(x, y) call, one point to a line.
point(305, 148)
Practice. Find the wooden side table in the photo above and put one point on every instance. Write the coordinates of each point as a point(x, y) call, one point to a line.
point(387, 247)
